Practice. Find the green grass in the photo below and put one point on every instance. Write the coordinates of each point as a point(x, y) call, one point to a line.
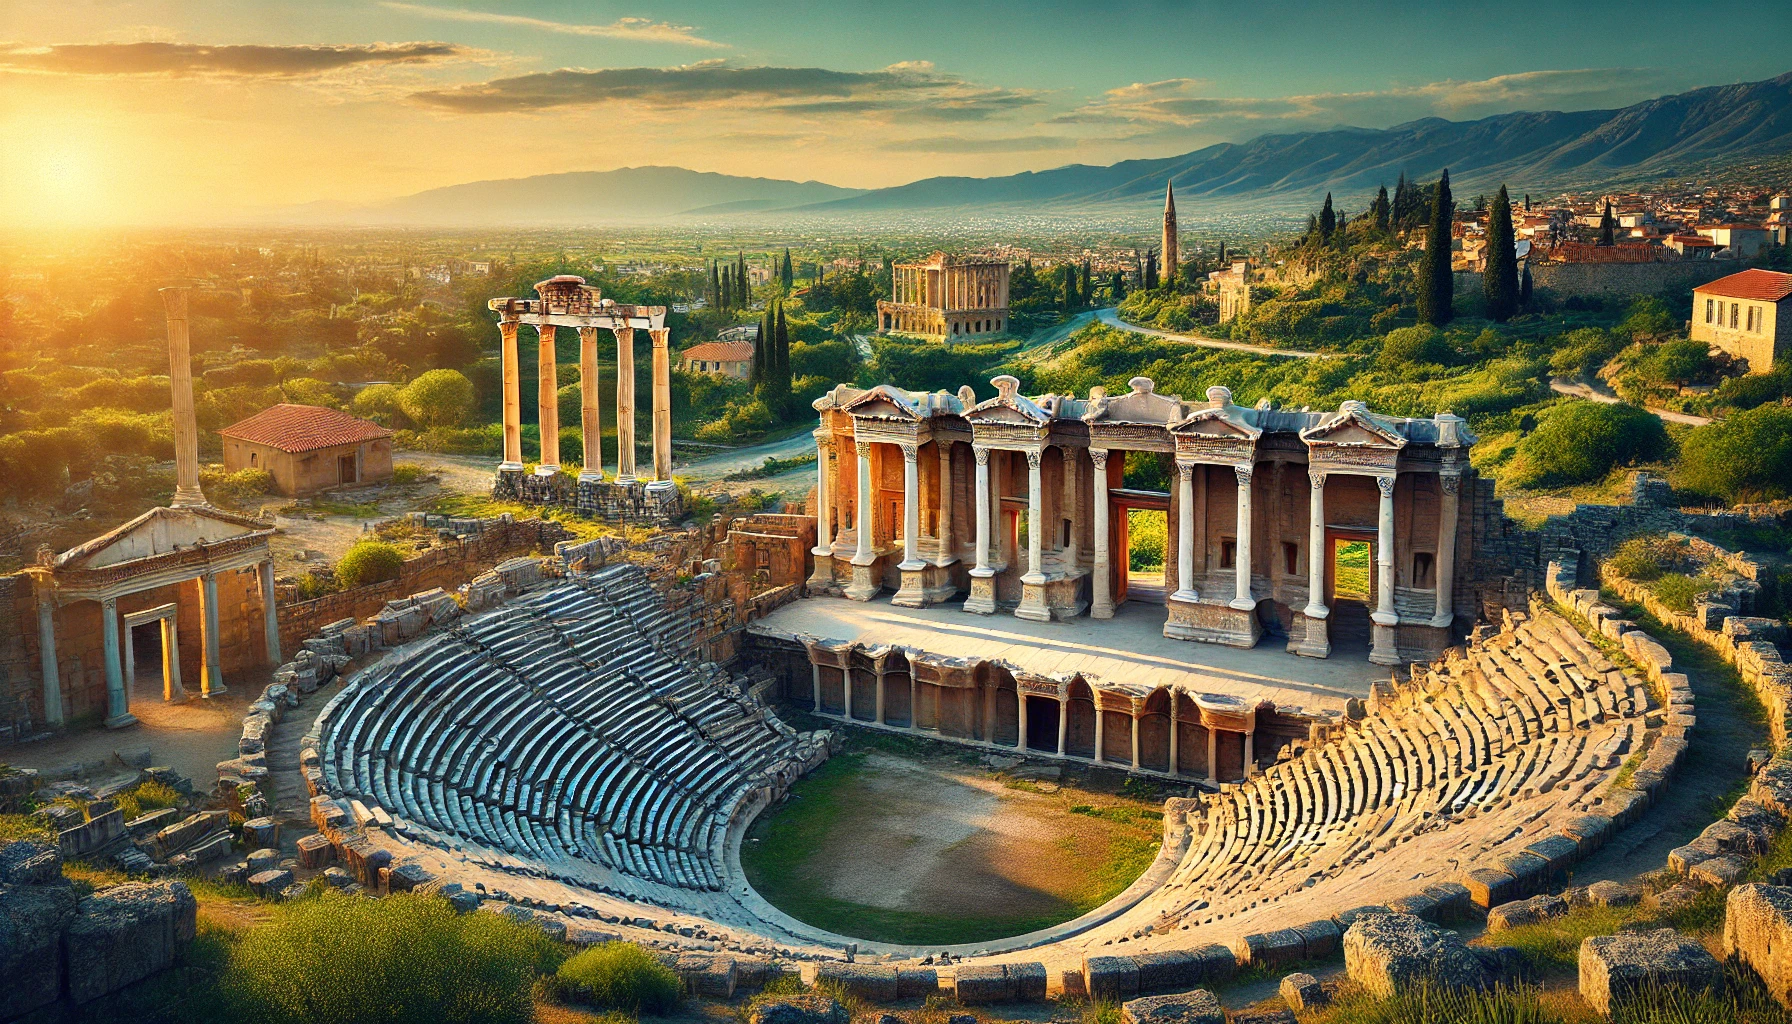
point(145, 797)
point(1553, 947)
point(25, 827)
point(1429, 1004)
point(622, 976)
point(1741, 999)
point(1350, 573)
point(479, 506)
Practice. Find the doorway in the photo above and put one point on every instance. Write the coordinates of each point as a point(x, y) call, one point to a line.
point(146, 654)
point(1352, 584)
point(1147, 547)
point(1042, 724)
point(345, 469)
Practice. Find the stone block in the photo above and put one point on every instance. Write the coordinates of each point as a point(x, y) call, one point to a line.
point(1613, 894)
point(805, 1008)
point(1758, 931)
point(1197, 1007)
point(1345, 918)
point(918, 982)
point(1110, 977)
point(124, 934)
point(707, 975)
point(32, 920)
point(1718, 872)
point(1453, 901)
point(1588, 831)
point(1615, 967)
point(1302, 992)
point(1519, 913)
point(1272, 1015)
point(1320, 938)
point(1171, 970)
point(1489, 887)
point(23, 862)
point(315, 851)
point(1557, 851)
point(1418, 904)
point(269, 882)
point(977, 984)
point(1387, 953)
point(1029, 981)
point(1284, 946)
point(872, 982)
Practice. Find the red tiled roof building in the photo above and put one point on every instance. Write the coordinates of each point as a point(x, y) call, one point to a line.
point(1748, 315)
point(309, 448)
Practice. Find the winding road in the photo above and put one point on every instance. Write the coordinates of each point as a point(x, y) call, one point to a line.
point(1111, 317)
point(1575, 389)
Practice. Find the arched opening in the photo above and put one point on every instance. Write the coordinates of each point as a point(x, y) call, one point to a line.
point(1191, 737)
point(1042, 723)
point(1079, 736)
point(898, 691)
point(1154, 732)
point(1003, 726)
point(1116, 731)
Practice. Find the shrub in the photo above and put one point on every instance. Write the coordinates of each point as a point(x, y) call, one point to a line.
point(620, 975)
point(400, 960)
point(439, 398)
point(379, 403)
point(1579, 352)
point(1636, 559)
point(1678, 591)
point(1583, 441)
point(1682, 362)
point(407, 473)
point(146, 797)
point(1419, 344)
point(310, 391)
point(1744, 457)
point(369, 561)
point(240, 487)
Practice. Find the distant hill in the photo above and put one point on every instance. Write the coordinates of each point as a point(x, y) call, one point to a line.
point(578, 197)
point(1655, 138)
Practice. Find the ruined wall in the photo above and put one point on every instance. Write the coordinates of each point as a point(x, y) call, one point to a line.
point(1612, 278)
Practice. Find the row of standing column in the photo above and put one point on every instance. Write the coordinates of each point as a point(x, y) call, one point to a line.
point(590, 401)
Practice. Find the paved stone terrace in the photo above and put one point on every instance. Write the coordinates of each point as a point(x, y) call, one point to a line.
point(1128, 649)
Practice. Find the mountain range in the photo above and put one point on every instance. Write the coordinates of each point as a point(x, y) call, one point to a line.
point(1658, 138)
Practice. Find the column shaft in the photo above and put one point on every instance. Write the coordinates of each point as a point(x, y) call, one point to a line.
point(270, 615)
point(1063, 723)
point(625, 405)
point(862, 512)
point(1135, 741)
point(1100, 715)
point(1250, 751)
point(1242, 557)
point(1185, 531)
point(46, 651)
point(911, 508)
point(591, 424)
point(1020, 719)
point(1175, 738)
point(118, 702)
point(1317, 555)
point(947, 553)
point(1035, 515)
point(662, 403)
point(172, 689)
point(1101, 604)
point(879, 706)
point(1449, 498)
point(982, 456)
point(824, 512)
point(513, 403)
point(180, 386)
point(1213, 754)
point(547, 396)
point(815, 680)
point(1384, 555)
point(211, 677)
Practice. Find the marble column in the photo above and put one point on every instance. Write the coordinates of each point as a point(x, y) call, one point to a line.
point(947, 552)
point(1185, 532)
point(547, 395)
point(815, 679)
point(1449, 507)
point(1135, 740)
point(1063, 722)
point(982, 568)
point(864, 512)
point(824, 512)
point(172, 688)
point(878, 706)
point(1101, 604)
point(846, 691)
point(591, 424)
point(1213, 754)
point(1250, 751)
point(513, 403)
point(1175, 738)
point(1099, 717)
point(1316, 644)
point(911, 510)
point(118, 701)
point(211, 676)
point(1035, 513)
point(270, 614)
point(1020, 719)
point(180, 386)
point(1070, 468)
point(625, 404)
point(1241, 560)
point(662, 403)
point(46, 650)
point(1384, 555)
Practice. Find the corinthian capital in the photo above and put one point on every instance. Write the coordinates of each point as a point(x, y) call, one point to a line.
point(1385, 484)
point(864, 448)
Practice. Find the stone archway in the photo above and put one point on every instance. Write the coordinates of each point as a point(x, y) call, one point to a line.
point(1079, 709)
point(1154, 731)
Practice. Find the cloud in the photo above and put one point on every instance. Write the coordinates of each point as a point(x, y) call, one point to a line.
point(234, 61)
point(961, 144)
point(638, 30)
point(907, 91)
point(1182, 103)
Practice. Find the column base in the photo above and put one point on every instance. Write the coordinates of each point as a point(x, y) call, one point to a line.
point(1213, 624)
point(924, 585)
point(865, 583)
point(216, 690)
point(507, 483)
point(179, 696)
point(1310, 636)
point(983, 593)
point(1051, 599)
point(821, 581)
point(1422, 641)
point(1101, 610)
point(124, 721)
point(547, 470)
point(1384, 644)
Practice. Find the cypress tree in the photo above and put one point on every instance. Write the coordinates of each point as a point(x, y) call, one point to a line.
point(1500, 282)
point(788, 274)
point(1088, 295)
point(1150, 270)
point(1436, 282)
point(782, 337)
point(1117, 287)
point(1380, 209)
point(1402, 202)
point(1328, 221)
point(1608, 227)
point(1222, 254)
point(756, 376)
point(1524, 286)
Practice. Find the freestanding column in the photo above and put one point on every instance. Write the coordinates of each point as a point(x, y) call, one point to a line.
point(172, 690)
point(547, 395)
point(591, 423)
point(863, 513)
point(46, 650)
point(1100, 715)
point(180, 387)
point(1242, 557)
point(1316, 553)
point(513, 403)
point(625, 405)
point(1451, 486)
point(211, 676)
point(1213, 754)
point(1250, 751)
point(118, 703)
point(1384, 555)
point(982, 568)
point(1035, 513)
point(1185, 531)
point(911, 509)
point(815, 676)
point(662, 404)
point(824, 512)
point(1020, 719)
point(1101, 605)
point(1175, 753)
point(1135, 740)
point(946, 553)
point(270, 616)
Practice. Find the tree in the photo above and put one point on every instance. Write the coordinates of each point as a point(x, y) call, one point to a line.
point(439, 398)
point(1608, 227)
point(1435, 278)
point(1582, 441)
point(1500, 282)
point(781, 348)
point(1378, 210)
point(369, 561)
point(1524, 286)
point(1117, 288)
point(1747, 456)
point(786, 273)
point(1150, 272)
point(380, 403)
point(1328, 221)
point(761, 358)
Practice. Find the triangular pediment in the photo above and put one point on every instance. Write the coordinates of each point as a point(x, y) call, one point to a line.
point(1227, 423)
point(885, 402)
point(160, 531)
point(1140, 405)
point(1353, 424)
point(1009, 406)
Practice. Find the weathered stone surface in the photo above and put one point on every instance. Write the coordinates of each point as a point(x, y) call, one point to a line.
point(1110, 977)
point(1197, 1007)
point(1320, 939)
point(1613, 894)
point(1284, 946)
point(1614, 967)
point(29, 863)
point(1718, 872)
point(1172, 970)
point(920, 982)
point(1489, 887)
point(873, 982)
point(1522, 912)
point(265, 883)
point(32, 919)
point(1386, 953)
point(1758, 931)
point(126, 933)
point(808, 1008)
point(977, 984)
point(707, 975)
point(1302, 992)
point(1274, 1015)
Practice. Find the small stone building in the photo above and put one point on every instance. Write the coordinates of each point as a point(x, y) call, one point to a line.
point(727, 358)
point(309, 448)
point(1745, 315)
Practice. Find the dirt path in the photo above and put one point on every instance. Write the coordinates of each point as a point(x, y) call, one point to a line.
point(1112, 319)
point(1730, 724)
point(1587, 391)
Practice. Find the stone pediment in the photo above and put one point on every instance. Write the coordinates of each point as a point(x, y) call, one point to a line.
point(1140, 405)
point(1009, 407)
point(1354, 426)
point(160, 531)
point(885, 402)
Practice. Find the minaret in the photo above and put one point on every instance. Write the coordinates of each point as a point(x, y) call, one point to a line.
point(1172, 258)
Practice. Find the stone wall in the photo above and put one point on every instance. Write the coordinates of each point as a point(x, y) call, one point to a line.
point(1618, 279)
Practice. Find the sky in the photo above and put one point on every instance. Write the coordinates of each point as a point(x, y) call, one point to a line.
point(193, 111)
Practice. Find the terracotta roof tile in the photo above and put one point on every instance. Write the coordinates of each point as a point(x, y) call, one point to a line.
point(720, 351)
point(304, 428)
point(1762, 285)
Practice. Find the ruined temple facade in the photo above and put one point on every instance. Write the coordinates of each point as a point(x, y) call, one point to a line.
point(1019, 506)
point(946, 298)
